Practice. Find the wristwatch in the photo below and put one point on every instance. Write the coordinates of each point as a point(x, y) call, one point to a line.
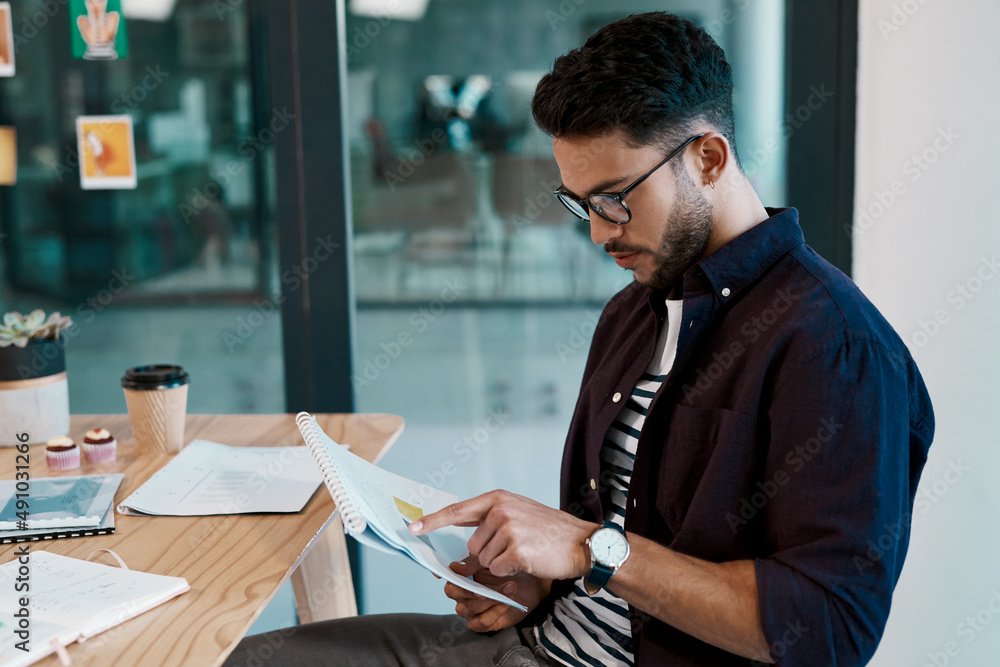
point(608, 551)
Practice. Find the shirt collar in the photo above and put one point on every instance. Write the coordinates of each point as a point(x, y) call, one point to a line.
point(742, 261)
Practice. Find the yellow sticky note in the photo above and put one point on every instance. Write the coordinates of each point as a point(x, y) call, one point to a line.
point(411, 512)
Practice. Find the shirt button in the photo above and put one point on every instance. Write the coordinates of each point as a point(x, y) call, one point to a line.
point(593, 484)
point(617, 397)
point(726, 291)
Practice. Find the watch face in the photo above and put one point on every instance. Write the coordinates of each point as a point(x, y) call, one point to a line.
point(608, 546)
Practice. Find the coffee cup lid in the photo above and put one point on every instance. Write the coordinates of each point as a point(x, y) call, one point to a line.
point(157, 376)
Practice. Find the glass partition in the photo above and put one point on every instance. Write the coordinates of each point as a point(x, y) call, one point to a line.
point(183, 267)
point(180, 267)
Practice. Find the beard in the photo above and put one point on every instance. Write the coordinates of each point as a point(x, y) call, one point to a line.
point(689, 223)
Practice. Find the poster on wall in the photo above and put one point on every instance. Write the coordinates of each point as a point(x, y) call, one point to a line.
point(8, 156)
point(97, 29)
point(107, 152)
point(6, 40)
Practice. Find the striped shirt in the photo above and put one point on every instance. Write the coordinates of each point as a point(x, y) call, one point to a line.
point(594, 630)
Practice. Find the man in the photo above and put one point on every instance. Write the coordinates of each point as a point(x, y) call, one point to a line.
point(747, 428)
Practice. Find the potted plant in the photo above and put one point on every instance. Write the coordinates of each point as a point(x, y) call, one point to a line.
point(34, 397)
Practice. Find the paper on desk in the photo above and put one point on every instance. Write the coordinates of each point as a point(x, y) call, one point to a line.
point(207, 478)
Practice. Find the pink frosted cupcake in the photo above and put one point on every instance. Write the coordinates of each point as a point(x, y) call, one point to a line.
point(61, 453)
point(99, 446)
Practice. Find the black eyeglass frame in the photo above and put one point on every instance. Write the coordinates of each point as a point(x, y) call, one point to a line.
point(562, 194)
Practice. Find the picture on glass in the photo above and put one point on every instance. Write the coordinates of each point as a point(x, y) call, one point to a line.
point(107, 152)
point(97, 29)
point(6, 40)
point(8, 156)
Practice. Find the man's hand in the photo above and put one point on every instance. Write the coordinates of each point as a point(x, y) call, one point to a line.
point(485, 615)
point(515, 534)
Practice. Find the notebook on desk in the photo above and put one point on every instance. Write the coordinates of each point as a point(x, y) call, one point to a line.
point(71, 600)
point(55, 507)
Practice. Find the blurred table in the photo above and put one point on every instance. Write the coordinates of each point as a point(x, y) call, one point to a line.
point(234, 564)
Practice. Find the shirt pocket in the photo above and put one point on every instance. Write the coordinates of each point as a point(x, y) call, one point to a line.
point(706, 458)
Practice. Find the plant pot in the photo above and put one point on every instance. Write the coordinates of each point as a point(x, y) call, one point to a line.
point(34, 396)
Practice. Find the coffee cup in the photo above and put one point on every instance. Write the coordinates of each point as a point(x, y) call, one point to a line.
point(157, 405)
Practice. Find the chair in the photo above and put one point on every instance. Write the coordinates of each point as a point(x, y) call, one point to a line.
point(522, 195)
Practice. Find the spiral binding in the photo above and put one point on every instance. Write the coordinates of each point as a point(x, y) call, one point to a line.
point(354, 522)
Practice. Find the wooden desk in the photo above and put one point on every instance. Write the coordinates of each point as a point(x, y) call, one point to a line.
point(234, 564)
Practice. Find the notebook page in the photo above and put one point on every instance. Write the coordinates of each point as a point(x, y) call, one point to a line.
point(89, 597)
point(389, 503)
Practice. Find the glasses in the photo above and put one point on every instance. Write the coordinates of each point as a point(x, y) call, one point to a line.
point(611, 205)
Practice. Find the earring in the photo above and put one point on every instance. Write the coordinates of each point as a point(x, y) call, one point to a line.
point(712, 183)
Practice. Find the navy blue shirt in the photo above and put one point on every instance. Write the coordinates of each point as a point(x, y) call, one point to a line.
point(791, 431)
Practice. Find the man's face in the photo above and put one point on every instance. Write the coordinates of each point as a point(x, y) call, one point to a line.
point(671, 219)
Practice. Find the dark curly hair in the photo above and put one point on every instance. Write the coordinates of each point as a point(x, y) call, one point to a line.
point(649, 76)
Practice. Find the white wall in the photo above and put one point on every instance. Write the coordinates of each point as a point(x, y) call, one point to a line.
point(929, 68)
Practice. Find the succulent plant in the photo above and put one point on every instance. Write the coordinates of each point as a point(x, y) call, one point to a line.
point(18, 329)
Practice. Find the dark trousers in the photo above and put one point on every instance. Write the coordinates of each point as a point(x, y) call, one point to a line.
point(396, 640)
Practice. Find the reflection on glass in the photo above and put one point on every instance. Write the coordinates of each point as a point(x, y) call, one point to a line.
point(448, 171)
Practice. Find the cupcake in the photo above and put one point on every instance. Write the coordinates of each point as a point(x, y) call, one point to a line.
point(61, 453)
point(99, 446)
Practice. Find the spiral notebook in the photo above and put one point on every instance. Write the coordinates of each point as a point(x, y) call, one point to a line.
point(377, 508)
